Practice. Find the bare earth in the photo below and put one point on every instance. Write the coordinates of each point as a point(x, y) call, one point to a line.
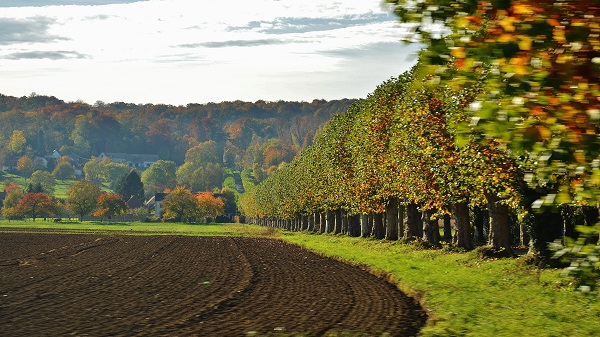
point(102, 285)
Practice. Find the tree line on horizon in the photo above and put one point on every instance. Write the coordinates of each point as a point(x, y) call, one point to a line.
point(258, 135)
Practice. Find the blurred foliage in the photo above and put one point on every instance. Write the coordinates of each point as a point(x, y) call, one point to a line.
point(583, 257)
point(538, 63)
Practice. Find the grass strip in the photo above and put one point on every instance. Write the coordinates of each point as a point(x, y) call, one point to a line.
point(133, 228)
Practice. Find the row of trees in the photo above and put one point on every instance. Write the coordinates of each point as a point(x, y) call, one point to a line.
point(396, 152)
point(501, 112)
point(87, 198)
point(61, 168)
point(83, 198)
point(202, 170)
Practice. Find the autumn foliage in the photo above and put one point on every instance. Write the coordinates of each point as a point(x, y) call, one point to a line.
point(35, 205)
point(209, 205)
point(110, 205)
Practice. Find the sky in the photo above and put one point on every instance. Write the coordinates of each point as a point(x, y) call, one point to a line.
point(196, 51)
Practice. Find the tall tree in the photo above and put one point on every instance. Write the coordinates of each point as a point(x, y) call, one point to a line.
point(45, 179)
point(159, 177)
point(203, 153)
point(17, 142)
point(14, 194)
point(180, 204)
point(209, 205)
point(93, 170)
point(64, 169)
point(25, 166)
point(113, 172)
point(82, 197)
point(131, 185)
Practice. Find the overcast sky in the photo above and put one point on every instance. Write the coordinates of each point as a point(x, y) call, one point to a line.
point(197, 51)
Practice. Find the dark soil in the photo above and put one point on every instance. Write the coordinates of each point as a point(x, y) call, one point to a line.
point(103, 285)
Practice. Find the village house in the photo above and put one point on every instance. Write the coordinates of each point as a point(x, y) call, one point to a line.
point(156, 203)
point(137, 161)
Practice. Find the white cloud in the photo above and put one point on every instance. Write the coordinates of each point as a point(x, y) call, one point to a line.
point(183, 51)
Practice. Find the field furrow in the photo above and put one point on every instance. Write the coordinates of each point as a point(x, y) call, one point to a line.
point(58, 284)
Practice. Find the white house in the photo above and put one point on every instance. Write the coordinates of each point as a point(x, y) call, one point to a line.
point(138, 161)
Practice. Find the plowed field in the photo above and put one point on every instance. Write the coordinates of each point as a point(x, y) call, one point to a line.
point(103, 285)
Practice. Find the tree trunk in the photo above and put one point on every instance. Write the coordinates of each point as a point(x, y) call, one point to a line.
point(338, 221)
point(354, 225)
point(545, 227)
point(391, 213)
point(431, 228)
point(345, 223)
point(447, 228)
point(329, 221)
point(304, 222)
point(523, 235)
point(413, 221)
point(462, 223)
point(365, 226)
point(400, 221)
point(323, 222)
point(378, 230)
point(478, 223)
point(499, 236)
point(317, 222)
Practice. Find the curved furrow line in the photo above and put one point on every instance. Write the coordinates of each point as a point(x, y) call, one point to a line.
point(274, 300)
point(86, 280)
point(225, 272)
point(196, 286)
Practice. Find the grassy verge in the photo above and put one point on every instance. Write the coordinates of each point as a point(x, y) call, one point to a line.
point(463, 294)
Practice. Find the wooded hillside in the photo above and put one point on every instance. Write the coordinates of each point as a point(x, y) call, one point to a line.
point(263, 133)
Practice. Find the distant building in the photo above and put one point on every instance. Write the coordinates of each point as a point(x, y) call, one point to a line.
point(134, 202)
point(156, 203)
point(10, 166)
point(137, 161)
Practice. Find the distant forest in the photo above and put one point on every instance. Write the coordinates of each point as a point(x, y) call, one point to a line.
point(247, 134)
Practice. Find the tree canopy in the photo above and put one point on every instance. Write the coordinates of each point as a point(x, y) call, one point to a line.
point(538, 63)
point(82, 197)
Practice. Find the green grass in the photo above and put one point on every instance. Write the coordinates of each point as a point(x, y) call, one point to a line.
point(60, 189)
point(463, 294)
point(134, 228)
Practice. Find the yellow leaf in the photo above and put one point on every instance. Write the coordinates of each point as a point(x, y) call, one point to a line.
point(525, 43)
point(521, 70)
point(507, 24)
point(559, 35)
point(544, 132)
point(458, 52)
point(462, 22)
point(522, 9)
point(562, 59)
point(563, 198)
point(505, 38)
